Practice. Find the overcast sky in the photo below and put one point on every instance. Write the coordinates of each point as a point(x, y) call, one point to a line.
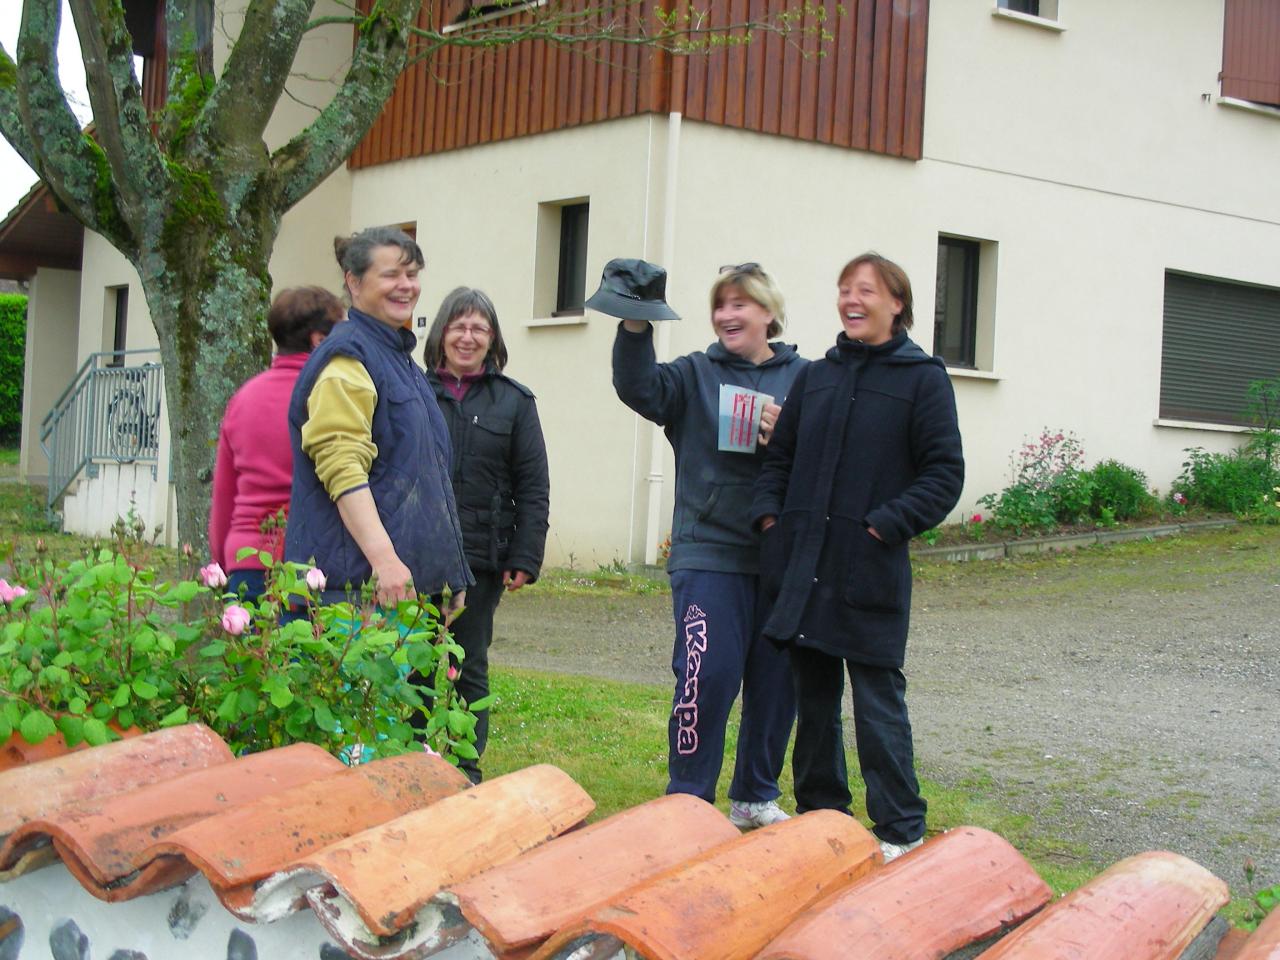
point(16, 178)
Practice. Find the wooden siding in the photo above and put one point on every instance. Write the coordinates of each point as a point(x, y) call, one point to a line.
point(1251, 51)
point(863, 89)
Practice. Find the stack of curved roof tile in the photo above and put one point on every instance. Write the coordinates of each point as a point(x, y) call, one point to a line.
point(402, 858)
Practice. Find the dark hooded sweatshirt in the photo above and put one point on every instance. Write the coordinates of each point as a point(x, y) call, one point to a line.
point(711, 529)
point(868, 438)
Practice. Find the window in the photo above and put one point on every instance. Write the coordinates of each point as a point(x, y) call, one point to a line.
point(118, 307)
point(1219, 336)
point(964, 302)
point(955, 311)
point(1251, 51)
point(560, 262)
point(572, 276)
point(1040, 12)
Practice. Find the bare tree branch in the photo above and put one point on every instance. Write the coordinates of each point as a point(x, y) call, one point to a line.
point(121, 124)
point(69, 161)
point(256, 71)
point(189, 75)
point(380, 55)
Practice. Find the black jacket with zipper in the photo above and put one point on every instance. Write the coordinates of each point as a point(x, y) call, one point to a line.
point(868, 438)
point(499, 472)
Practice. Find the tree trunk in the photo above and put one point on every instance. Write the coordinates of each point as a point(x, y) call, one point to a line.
point(208, 296)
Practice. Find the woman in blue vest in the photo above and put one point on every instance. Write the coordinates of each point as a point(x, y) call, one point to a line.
point(371, 496)
point(499, 476)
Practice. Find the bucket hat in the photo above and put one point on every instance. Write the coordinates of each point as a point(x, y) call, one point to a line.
point(633, 290)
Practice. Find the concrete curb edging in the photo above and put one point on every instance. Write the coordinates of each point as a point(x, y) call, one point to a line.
point(963, 553)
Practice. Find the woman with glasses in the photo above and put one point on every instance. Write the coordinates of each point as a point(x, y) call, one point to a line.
point(499, 476)
point(719, 407)
point(866, 455)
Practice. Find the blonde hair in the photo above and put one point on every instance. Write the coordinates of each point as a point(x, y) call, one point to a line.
point(758, 286)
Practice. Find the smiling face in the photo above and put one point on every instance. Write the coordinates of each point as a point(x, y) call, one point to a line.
point(466, 343)
point(389, 289)
point(866, 307)
point(742, 325)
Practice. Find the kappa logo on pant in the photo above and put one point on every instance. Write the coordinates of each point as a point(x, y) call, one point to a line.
point(686, 710)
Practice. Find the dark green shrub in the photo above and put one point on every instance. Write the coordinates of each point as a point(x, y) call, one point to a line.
point(1234, 482)
point(1071, 492)
point(13, 331)
point(1120, 489)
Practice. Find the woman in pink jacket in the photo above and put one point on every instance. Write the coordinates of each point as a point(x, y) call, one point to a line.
point(254, 469)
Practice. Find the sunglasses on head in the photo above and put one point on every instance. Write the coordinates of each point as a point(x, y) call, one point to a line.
point(742, 268)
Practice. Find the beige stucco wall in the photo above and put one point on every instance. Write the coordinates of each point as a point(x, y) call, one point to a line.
point(1090, 160)
point(50, 359)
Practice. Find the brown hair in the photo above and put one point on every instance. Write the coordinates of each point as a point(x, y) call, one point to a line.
point(895, 281)
point(298, 312)
point(355, 253)
point(756, 285)
point(460, 302)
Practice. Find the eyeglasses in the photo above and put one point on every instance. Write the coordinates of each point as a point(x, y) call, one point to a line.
point(478, 331)
point(742, 268)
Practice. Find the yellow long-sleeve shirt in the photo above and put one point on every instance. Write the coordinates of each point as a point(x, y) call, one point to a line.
point(338, 434)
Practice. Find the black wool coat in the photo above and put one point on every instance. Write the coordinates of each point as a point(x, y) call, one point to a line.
point(499, 472)
point(868, 438)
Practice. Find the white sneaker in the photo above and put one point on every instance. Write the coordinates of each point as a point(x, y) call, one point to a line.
point(892, 851)
point(748, 816)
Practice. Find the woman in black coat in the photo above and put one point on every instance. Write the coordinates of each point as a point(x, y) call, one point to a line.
point(866, 455)
point(499, 477)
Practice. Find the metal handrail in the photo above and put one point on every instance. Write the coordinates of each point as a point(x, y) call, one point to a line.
point(109, 412)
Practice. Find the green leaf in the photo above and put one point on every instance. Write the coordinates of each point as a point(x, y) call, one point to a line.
point(72, 729)
point(325, 720)
point(174, 717)
point(6, 728)
point(63, 659)
point(125, 718)
point(102, 710)
point(36, 727)
point(215, 649)
point(96, 733)
point(122, 696)
point(247, 701)
point(228, 709)
point(76, 705)
point(464, 750)
point(281, 697)
point(145, 690)
point(266, 559)
point(245, 552)
point(482, 704)
point(185, 591)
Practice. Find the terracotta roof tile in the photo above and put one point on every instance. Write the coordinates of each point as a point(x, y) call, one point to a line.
point(961, 887)
point(1263, 943)
point(372, 884)
point(521, 903)
point(107, 842)
point(38, 789)
point(730, 902)
point(237, 848)
point(1142, 908)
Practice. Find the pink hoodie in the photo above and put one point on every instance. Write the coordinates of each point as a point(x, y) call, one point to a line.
point(254, 470)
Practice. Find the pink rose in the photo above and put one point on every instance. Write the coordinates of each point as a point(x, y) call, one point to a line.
point(10, 593)
point(213, 576)
point(452, 673)
point(315, 579)
point(976, 518)
point(235, 619)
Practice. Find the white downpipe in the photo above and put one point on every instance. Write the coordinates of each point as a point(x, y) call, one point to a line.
point(662, 341)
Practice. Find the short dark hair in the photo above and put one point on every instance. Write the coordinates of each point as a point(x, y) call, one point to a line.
point(895, 280)
point(460, 302)
point(355, 253)
point(298, 312)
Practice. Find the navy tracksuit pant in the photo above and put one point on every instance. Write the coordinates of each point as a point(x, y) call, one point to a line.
point(881, 730)
point(719, 650)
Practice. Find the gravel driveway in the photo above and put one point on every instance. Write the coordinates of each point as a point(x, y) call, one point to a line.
point(1126, 698)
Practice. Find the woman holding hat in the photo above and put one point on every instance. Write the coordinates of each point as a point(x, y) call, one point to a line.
point(866, 455)
point(499, 477)
point(714, 550)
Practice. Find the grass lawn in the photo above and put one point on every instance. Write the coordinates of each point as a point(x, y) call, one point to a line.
point(612, 739)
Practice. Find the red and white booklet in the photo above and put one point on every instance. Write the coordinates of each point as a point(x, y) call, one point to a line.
point(740, 409)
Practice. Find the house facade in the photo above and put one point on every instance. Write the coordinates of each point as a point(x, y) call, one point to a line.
point(1082, 193)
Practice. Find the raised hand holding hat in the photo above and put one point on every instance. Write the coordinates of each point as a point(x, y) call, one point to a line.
point(633, 290)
